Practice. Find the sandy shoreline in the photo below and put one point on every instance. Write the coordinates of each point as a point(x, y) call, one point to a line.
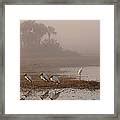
point(67, 94)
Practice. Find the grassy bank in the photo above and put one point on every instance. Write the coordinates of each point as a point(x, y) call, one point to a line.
point(65, 83)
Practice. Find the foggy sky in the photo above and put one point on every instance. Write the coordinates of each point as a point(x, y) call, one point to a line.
point(82, 36)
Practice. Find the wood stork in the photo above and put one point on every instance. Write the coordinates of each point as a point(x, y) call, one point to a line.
point(80, 72)
point(23, 97)
point(45, 95)
point(27, 77)
point(55, 79)
point(54, 95)
point(44, 77)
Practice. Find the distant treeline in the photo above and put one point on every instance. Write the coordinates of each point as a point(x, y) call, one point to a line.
point(39, 39)
point(34, 34)
point(38, 42)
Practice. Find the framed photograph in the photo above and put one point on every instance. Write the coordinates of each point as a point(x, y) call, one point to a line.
point(60, 59)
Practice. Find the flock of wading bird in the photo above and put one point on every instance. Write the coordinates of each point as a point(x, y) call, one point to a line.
point(53, 78)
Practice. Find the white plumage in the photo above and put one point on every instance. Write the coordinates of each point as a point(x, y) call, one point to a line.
point(27, 77)
point(54, 79)
point(45, 95)
point(54, 95)
point(80, 72)
point(44, 77)
point(23, 97)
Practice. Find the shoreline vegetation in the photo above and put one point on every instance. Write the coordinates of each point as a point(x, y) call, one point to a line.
point(64, 83)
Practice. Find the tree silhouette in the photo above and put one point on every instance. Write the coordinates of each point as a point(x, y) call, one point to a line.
point(38, 39)
point(50, 31)
point(31, 33)
point(51, 44)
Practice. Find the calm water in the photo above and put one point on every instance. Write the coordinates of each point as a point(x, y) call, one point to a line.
point(89, 73)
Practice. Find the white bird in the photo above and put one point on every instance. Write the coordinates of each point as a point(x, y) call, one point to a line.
point(44, 77)
point(23, 97)
point(55, 79)
point(80, 72)
point(45, 95)
point(54, 95)
point(27, 77)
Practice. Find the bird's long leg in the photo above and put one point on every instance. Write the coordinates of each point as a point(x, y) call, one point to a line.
point(27, 94)
point(80, 76)
point(30, 89)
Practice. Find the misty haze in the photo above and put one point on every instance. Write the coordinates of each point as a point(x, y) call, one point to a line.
point(60, 59)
